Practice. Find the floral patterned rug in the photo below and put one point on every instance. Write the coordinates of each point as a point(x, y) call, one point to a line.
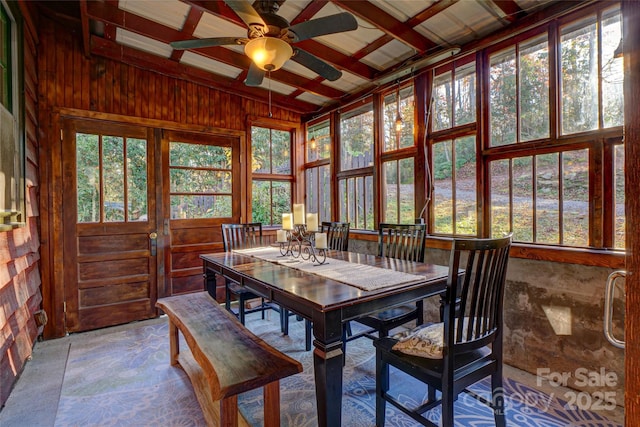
point(124, 378)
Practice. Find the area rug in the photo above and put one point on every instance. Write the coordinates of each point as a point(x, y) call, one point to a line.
point(124, 378)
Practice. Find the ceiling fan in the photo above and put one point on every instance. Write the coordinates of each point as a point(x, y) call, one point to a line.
point(270, 37)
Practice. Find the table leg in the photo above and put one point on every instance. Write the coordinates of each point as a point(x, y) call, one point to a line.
point(327, 364)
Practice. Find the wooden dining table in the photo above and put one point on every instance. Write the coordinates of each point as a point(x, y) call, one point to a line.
point(327, 303)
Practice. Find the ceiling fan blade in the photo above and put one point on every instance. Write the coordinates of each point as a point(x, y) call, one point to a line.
point(247, 13)
point(321, 26)
point(316, 64)
point(208, 42)
point(254, 76)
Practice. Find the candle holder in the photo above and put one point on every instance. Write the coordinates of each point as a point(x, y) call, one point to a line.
point(302, 244)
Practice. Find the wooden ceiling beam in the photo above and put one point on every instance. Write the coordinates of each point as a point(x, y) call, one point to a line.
point(510, 8)
point(84, 22)
point(387, 23)
point(117, 17)
point(190, 24)
point(429, 12)
point(112, 50)
point(309, 11)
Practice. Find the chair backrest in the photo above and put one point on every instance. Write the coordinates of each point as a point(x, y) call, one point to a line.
point(402, 241)
point(479, 291)
point(241, 236)
point(337, 235)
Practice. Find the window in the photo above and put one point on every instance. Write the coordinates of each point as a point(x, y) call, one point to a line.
point(455, 195)
point(271, 174)
point(565, 186)
point(542, 198)
point(591, 78)
point(111, 178)
point(356, 138)
point(356, 202)
point(355, 179)
point(398, 191)
point(519, 92)
point(393, 139)
point(454, 200)
point(454, 97)
point(397, 185)
point(200, 180)
point(12, 155)
point(318, 169)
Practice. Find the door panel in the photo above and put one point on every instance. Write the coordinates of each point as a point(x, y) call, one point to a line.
point(202, 190)
point(109, 220)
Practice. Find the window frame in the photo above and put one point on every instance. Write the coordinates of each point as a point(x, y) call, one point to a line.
point(295, 157)
point(14, 216)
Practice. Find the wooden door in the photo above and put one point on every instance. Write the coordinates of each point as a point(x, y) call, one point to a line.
point(109, 224)
point(202, 189)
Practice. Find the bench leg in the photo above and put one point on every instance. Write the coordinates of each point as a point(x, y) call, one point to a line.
point(174, 346)
point(272, 404)
point(229, 412)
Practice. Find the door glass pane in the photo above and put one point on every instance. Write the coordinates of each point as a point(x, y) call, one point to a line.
point(200, 180)
point(113, 178)
point(137, 179)
point(88, 177)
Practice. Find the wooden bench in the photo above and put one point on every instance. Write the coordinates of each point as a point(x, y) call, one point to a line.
point(225, 359)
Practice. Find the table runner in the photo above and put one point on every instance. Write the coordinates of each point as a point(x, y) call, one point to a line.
point(361, 276)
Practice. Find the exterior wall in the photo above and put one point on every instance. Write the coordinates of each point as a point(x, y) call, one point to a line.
point(20, 294)
point(539, 296)
point(72, 84)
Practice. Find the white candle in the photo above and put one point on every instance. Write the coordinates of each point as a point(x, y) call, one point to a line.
point(287, 223)
point(281, 236)
point(321, 240)
point(312, 221)
point(298, 214)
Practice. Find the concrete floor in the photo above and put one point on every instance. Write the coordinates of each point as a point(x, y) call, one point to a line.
point(34, 399)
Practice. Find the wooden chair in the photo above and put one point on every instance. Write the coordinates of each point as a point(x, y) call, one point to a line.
point(243, 236)
point(337, 239)
point(451, 355)
point(401, 241)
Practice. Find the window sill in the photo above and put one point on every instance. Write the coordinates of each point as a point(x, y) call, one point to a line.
point(582, 256)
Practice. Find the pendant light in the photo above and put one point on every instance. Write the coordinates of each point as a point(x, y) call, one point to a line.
point(398, 123)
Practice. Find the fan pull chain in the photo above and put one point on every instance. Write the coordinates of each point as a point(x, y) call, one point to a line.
point(269, 78)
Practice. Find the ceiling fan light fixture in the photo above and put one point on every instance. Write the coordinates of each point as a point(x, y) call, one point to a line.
point(268, 53)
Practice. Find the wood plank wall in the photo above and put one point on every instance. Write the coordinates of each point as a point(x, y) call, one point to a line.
point(20, 294)
point(631, 13)
point(102, 88)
